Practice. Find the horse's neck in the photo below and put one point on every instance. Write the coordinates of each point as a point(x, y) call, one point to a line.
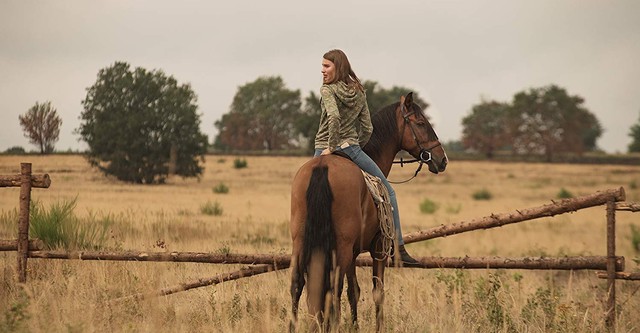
point(385, 159)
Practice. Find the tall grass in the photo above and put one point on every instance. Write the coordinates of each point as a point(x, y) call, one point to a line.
point(58, 227)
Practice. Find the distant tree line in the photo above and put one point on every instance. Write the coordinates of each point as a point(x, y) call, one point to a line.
point(542, 121)
point(143, 126)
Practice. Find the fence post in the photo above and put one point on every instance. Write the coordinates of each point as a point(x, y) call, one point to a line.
point(23, 220)
point(611, 268)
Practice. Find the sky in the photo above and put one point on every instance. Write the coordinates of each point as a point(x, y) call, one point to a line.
point(454, 54)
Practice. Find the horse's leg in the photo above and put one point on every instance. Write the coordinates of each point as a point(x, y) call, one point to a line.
point(379, 263)
point(353, 292)
point(344, 261)
point(297, 284)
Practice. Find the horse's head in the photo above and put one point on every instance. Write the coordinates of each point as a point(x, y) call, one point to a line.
point(417, 136)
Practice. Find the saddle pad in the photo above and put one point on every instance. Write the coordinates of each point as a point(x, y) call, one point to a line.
point(381, 199)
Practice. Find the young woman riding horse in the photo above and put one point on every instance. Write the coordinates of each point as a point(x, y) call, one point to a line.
point(333, 216)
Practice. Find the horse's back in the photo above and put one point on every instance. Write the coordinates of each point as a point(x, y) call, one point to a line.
point(352, 209)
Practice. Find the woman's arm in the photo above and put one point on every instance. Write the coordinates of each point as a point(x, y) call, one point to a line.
point(366, 128)
point(333, 116)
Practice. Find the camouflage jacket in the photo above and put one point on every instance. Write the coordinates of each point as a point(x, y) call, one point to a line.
point(345, 118)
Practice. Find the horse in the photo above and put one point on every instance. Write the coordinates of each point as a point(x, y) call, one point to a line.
point(334, 218)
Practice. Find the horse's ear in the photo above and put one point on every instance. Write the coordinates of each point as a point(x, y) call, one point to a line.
point(408, 100)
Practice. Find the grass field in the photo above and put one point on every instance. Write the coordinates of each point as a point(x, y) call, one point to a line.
point(247, 211)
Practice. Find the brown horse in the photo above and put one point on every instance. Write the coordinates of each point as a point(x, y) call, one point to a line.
point(334, 219)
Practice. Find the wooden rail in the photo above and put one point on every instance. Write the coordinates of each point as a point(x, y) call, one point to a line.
point(498, 220)
point(283, 261)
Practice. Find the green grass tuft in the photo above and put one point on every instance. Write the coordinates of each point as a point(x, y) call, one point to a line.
point(428, 207)
point(58, 227)
point(211, 208)
point(564, 194)
point(221, 189)
point(482, 194)
point(239, 163)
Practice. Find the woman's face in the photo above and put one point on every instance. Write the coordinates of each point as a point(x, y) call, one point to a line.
point(328, 71)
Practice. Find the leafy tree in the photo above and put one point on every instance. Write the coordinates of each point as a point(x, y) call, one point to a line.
point(484, 129)
point(262, 116)
point(15, 150)
point(307, 123)
point(378, 97)
point(140, 125)
point(41, 125)
point(634, 133)
point(549, 121)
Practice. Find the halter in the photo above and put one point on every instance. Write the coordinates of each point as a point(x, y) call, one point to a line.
point(425, 153)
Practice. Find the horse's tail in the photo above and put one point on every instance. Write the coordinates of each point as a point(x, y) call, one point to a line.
point(319, 237)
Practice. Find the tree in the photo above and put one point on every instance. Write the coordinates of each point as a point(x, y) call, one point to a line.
point(307, 123)
point(485, 128)
point(41, 125)
point(378, 97)
point(548, 121)
point(261, 116)
point(142, 125)
point(634, 133)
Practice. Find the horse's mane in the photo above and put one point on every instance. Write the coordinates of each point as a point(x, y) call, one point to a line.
point(385, 125)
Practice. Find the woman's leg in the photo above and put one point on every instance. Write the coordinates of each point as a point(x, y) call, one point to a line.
point(317, 152)
point(361, 159)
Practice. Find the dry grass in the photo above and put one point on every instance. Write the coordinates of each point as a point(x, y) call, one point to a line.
point(74, 296)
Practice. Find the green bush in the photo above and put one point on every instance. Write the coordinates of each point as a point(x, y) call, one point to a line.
point(58, 227)
point(482, 194)
point(633, 185)
point(239, 163)
point(17, 150)
point(635, 238)
point(211, 208)
point(564, 194)
point(221, 189)
point(428, 207)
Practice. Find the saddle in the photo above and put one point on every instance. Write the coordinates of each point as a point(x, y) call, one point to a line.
point(381, 199)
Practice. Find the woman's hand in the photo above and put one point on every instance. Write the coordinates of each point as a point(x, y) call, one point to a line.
point(326, 151)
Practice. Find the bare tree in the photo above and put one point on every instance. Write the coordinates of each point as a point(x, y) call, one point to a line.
point(41, 125)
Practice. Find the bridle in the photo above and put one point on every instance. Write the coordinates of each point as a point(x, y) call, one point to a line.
point(425, 153)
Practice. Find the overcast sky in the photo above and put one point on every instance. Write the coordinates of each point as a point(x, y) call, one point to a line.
point(453, 53)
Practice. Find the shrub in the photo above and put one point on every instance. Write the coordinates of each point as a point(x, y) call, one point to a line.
point(58, 227)
point(211, 208)
point(428, 207)
point(482, 194)
point(221, 188)
point(17, 150)
point(635, 238)
point(239, 163)
point(564, 194)
point(633, 185)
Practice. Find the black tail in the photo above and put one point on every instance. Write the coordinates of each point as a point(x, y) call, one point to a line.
point(319, 234)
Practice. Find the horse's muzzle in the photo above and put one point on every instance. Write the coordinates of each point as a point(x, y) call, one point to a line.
point(436, 167)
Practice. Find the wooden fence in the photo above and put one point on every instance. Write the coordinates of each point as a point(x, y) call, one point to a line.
point(610, 267)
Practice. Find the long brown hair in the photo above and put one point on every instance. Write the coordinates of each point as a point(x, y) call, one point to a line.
point(344, 72)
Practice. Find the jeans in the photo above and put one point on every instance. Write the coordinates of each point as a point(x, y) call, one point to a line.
point(362, 160)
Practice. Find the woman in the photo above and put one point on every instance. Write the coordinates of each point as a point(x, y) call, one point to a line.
point(344, 107)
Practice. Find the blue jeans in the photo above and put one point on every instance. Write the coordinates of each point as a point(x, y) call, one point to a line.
point(365, 163)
